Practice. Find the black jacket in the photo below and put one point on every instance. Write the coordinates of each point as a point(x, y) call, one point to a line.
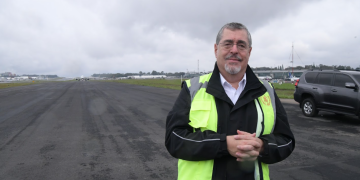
point(241, 116)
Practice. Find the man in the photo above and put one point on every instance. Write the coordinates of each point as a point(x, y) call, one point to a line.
point(228, 124)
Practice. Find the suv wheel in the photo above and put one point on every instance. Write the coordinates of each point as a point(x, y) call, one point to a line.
point(309, 108)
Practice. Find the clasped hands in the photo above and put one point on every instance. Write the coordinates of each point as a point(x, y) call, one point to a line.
point(244, 146)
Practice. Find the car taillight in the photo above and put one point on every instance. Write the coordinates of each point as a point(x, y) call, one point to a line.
point(297, 82)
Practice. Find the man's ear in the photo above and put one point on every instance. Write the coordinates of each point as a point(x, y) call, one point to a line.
point(215, 49)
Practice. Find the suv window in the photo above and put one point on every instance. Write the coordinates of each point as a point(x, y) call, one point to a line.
point(341, 79)
point(310, 77)
point(357, 77)
point(324, 78)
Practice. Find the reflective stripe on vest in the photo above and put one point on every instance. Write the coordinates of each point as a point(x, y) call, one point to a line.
point(203, 115)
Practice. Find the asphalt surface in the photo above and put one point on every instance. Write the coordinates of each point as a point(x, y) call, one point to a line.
point(101, 130)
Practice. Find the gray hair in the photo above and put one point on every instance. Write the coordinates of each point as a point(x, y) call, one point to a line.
point(233, 26)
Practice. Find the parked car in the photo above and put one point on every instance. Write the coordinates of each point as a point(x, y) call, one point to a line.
point(328, 90)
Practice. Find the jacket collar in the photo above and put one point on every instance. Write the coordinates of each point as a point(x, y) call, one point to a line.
point(252, 90)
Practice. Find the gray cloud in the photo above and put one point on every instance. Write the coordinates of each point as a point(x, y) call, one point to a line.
point(70, 38)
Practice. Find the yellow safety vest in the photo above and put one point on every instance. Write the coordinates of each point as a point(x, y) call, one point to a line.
point(203, 115)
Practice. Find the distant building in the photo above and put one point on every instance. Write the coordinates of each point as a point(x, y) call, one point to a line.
point(21, 78)
point(7, 74)
point(279, 74)
point(293, 72)
point(147, 77)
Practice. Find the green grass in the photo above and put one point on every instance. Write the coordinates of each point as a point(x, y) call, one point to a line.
point(285, 90)
point(287, 86)
point(15, 84)
point(161, 83)
point(285, 94)
point(22, 83)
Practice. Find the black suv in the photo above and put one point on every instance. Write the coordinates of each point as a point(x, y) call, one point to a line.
point(328, 90)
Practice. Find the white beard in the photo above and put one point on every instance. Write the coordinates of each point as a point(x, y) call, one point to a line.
point(232, 69)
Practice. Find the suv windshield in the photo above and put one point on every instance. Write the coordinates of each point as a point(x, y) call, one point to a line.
point(357, 77)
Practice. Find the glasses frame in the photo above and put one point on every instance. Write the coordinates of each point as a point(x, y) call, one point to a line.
point(240, 46)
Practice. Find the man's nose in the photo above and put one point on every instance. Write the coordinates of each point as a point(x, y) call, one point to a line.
point(234, 48)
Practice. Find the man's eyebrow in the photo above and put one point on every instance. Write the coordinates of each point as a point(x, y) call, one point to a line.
point(241, 42)
point(228, 41)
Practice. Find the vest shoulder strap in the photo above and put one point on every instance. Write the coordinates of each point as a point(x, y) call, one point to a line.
point(271, 92)
point(194, 84)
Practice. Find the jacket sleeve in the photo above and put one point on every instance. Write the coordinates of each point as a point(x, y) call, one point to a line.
point(182, 142)
point(280, 144)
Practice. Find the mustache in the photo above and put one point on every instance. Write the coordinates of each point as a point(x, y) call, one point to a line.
point(233, 56)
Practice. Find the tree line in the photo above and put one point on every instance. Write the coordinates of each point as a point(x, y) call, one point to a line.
point(320, 66)
point(140, 73)
point(178, 74)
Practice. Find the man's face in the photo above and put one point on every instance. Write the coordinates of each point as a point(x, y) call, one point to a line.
point(234, 58)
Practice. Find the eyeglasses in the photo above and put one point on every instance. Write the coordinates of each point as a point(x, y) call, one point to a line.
point(228, 46)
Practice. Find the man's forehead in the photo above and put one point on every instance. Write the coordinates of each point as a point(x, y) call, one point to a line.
point(239, 34)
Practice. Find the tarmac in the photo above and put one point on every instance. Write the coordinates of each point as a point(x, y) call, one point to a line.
point(103, 130)
point(289, 101)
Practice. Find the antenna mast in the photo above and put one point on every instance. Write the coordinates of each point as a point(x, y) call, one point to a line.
point(292, 58)
point(198, 67)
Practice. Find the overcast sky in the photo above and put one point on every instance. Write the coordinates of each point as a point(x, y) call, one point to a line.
point(81, 37)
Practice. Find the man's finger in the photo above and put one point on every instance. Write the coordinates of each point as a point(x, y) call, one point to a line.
point(242, 155)
point(253, 143)
point(242, 132)
point(248, 155)
point(248, 152)
point(244, 137)
point(245, 157)
point(245, 133)
point(245, 147)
